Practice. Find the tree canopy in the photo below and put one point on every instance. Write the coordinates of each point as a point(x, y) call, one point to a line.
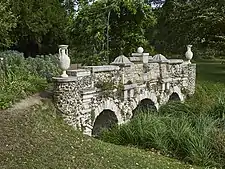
point(201, 23)
point(100, 30)
point(7, 22)
point(40, 27)
point(110, 28)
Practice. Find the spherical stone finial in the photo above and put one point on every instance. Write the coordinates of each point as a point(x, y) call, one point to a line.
point(140, 50)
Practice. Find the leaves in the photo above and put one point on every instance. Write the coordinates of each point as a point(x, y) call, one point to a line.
point(7, 22)
point(41, 25)
point(112, 27)
point(188, 22)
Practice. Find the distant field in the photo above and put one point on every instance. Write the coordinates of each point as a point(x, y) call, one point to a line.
point(213, 71)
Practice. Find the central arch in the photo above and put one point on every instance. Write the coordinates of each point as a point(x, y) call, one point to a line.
point(144, 105)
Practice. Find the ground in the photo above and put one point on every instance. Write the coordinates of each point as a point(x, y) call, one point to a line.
point(38, 138)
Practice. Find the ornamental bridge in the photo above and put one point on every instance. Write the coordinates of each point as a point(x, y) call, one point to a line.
point(95, 97)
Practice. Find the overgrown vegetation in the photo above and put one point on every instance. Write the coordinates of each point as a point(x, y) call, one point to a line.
point(107, 86)
point(38, 138)
point(20, 77)
point(193, 131)
point(107, 28)
point(99, 31)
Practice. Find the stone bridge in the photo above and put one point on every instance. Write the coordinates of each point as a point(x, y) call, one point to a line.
point(99, 96)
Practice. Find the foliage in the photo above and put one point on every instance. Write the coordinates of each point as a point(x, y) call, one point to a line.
point(20, 77)
point(39, 138)
point(200, 23)
point(7, 23)
point(107, 86)
point(111, 27)
point(40, 27)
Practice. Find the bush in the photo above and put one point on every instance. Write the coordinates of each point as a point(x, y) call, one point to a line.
point(20, 77)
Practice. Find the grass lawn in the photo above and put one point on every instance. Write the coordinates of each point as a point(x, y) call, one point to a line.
point(38, 138)
point(212, 71)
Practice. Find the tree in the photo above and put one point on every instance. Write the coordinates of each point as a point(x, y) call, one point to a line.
point(201, 23)
point(111, 27)
point(41, 26)
point(7, 23)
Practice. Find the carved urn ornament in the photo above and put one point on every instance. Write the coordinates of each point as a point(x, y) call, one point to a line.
point(64, 60)
point(189, 54)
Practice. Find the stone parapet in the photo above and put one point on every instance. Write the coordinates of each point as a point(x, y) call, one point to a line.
point(88, 93)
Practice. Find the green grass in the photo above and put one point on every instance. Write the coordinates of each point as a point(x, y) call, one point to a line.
point(212, 71)
point(38, 138)
point(189, 137)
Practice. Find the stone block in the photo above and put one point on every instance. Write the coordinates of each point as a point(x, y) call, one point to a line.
point(105, 68)
point(79, 72)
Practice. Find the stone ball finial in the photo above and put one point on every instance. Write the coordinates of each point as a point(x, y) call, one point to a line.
point(140, 50)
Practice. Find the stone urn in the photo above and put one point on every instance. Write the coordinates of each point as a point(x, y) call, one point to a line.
point(189, 54)
point(64, 60)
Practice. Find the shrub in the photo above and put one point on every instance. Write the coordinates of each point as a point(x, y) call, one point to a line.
point(20, 77)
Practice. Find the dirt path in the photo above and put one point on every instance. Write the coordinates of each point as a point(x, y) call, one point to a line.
point(30, 101)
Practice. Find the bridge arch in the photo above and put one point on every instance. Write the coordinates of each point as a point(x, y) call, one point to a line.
point(175, 94)
point(145, 104)
point(105, 115)
point(174, 97)
point(146, 98)
point(105, 120)
point(108, 105)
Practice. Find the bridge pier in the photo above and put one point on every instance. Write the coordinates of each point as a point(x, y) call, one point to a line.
point(88, 94)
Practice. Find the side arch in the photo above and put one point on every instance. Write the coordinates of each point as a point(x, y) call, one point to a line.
point(108, 105)
point(176, 94)
point(106, 120)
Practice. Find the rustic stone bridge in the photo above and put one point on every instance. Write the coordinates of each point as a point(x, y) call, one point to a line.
point(99, 96)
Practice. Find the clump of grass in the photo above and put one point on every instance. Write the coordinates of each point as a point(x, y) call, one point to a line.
point(184, 137)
